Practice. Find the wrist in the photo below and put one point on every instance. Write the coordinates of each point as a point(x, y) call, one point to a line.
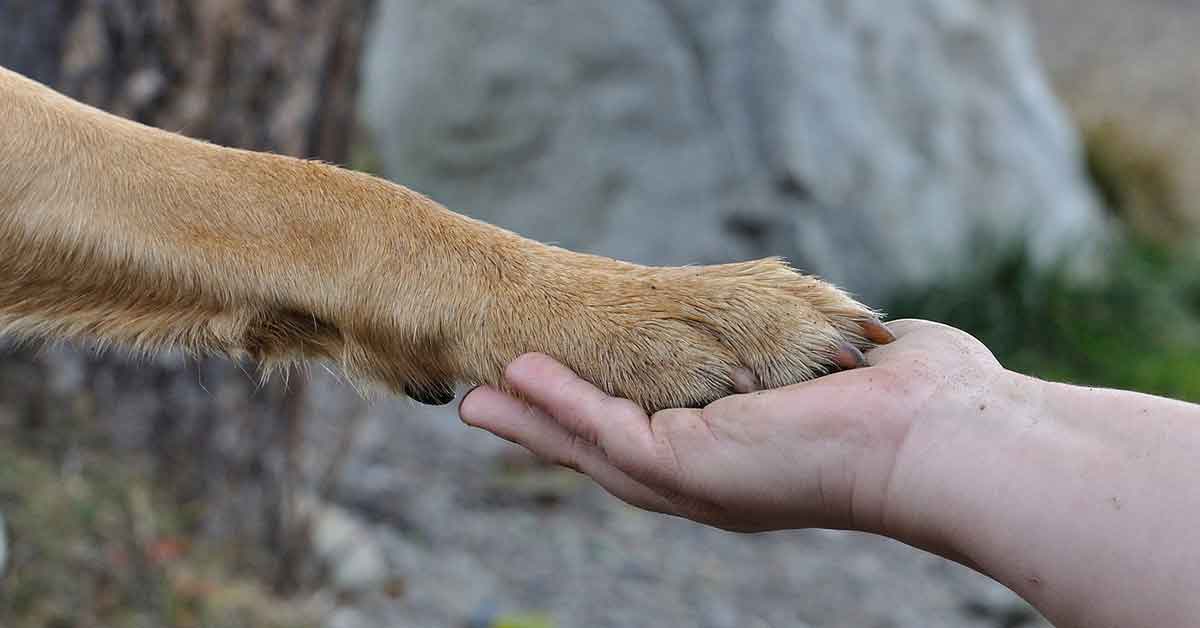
point(965, 445)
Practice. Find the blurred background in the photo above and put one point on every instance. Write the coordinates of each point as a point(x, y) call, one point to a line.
point(1027, 170)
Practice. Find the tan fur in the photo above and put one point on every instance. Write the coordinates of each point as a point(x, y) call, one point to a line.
point(130, 235)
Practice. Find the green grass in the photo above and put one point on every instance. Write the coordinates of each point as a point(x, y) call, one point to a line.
point(1138, 330)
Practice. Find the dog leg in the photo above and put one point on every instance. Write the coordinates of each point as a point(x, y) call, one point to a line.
point(134, 236)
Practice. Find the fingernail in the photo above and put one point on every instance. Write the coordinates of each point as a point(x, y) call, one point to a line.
point(463, 401)
point(878, 333)
point(438, 394)
point(850, 357)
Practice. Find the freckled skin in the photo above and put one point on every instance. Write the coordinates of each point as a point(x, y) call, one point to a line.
point(134, 236)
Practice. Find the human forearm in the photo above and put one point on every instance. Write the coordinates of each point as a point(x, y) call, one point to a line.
point(1083, 501)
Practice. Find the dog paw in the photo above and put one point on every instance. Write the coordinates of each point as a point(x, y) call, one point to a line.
point(684, 337)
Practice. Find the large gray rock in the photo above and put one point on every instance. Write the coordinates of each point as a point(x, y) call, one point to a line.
point(880, 144)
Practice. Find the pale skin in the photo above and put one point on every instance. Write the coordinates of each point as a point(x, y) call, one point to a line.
point(1081, 500)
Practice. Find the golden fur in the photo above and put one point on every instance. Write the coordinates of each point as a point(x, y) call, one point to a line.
point(131, 235)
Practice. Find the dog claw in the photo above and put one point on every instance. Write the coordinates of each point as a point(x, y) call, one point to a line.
point(438, 395)
point(878, 333)
point(850, 358)
point(745, 381)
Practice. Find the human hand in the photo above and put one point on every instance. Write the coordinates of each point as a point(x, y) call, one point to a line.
point(823, 453)
point(1065, 494)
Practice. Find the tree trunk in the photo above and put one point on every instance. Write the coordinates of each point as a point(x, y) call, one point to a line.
point(276, 75)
